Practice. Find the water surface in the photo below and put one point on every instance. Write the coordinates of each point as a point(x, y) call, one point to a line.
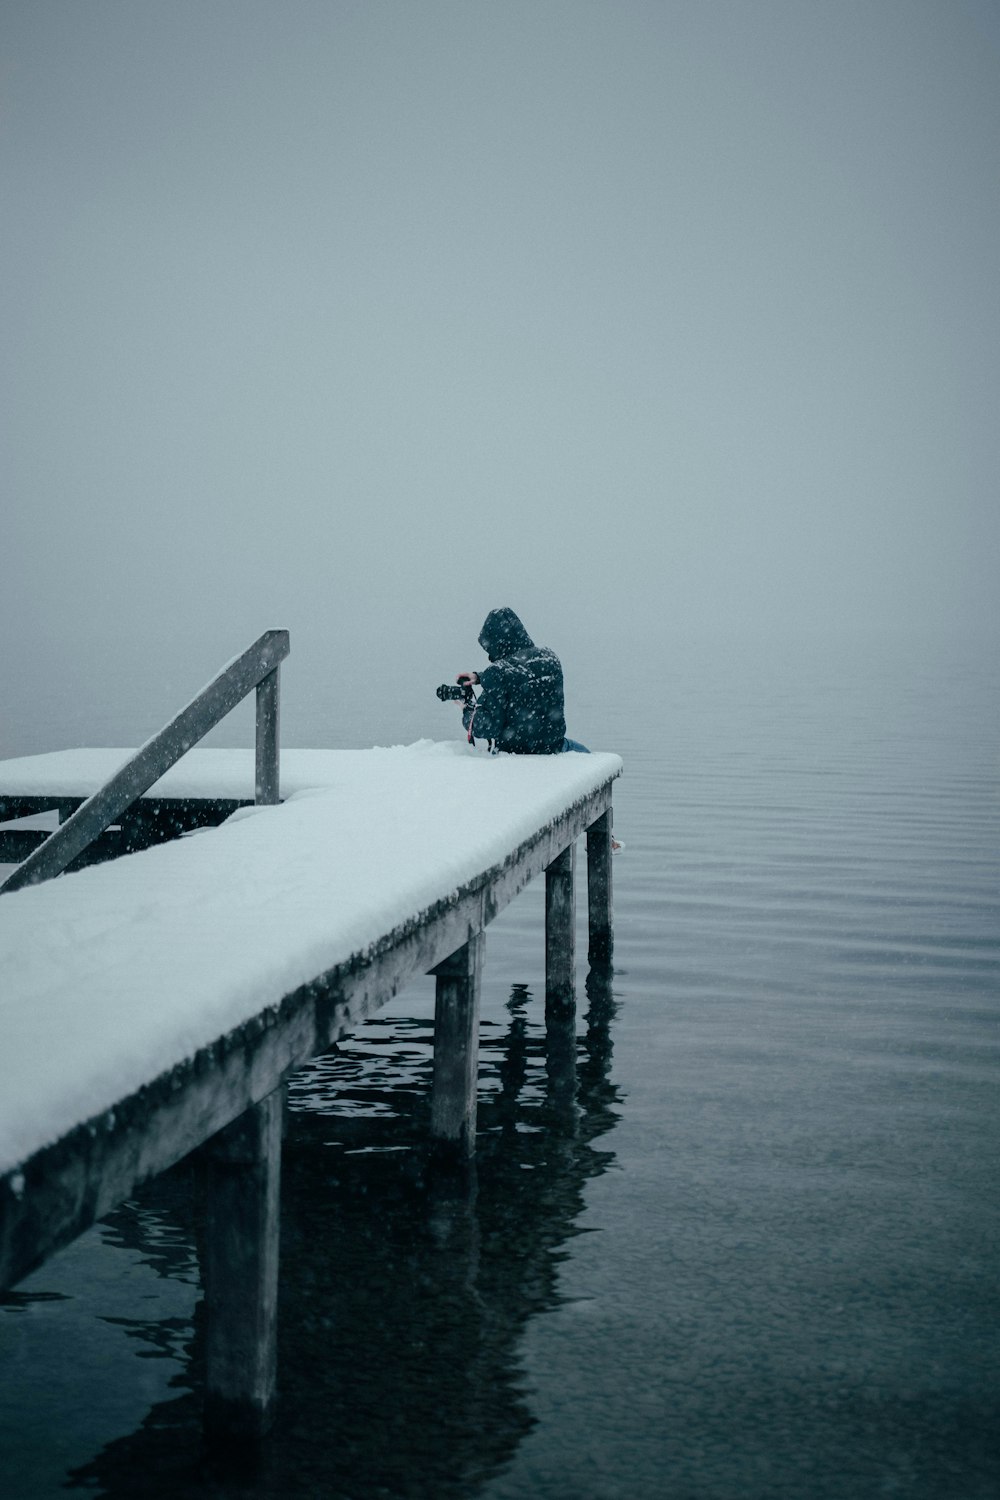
point(734, 1228)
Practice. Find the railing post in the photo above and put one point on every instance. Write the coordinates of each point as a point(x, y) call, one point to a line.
point(268, 740)
point(145, 767)
point(560, 928)
point(599, 901)
point(456, 1048)
point(241, 1273)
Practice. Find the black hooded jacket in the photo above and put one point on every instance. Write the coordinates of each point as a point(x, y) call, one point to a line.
point(521, 705)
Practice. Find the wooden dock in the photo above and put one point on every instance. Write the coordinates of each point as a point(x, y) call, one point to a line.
point(155, 1004)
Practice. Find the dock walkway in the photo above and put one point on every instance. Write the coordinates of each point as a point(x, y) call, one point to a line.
point(157, 1002)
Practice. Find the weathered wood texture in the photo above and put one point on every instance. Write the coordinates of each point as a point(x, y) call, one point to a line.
point(243, 1177)
point(600, 909)
point(65, 1187)
point(149, 763)
point(268, 752)
point(456, 1048)
point(560, 928)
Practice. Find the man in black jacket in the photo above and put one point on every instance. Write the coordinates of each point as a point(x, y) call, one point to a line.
point(521, 704)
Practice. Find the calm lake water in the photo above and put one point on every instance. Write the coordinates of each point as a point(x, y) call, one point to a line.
point(734, 1232)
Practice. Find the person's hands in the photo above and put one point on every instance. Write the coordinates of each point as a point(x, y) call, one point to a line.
point(464, 677)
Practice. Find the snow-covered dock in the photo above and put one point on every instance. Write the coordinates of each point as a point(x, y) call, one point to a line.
point(158, 1001)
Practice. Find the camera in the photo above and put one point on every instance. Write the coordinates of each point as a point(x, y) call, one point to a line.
point(456, 692)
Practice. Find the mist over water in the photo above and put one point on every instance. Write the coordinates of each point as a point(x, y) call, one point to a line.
point(646, 316)
point(737, 1237)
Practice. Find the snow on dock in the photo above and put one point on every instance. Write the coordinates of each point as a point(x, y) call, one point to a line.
point(201, 775)
point(113, 976)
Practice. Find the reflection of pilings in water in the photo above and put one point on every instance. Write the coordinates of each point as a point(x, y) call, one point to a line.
point(159, 1228)
point(560, 1064)
point(452, 1219)
point(596, 1070)
point(404, 1293)
point(573, 1086)
point(513, 1067)
point(577, 1088)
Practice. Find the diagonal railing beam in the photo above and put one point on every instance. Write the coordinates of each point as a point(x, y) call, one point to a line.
point(257, 667)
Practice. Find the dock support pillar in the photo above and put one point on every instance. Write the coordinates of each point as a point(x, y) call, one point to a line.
point(241, 1273)
point(560, 987)
point(456, 1049)
point(560, 929)
point(599, 902)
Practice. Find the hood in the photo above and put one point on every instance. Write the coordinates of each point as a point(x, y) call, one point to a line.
point(503, 633)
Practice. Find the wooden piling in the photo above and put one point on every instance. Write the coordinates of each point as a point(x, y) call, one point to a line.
point(456, 1049)
point(560, 928)
point(241, 1273)
point(599, 894)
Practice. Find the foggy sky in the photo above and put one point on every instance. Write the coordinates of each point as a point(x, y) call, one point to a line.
point(361, 318)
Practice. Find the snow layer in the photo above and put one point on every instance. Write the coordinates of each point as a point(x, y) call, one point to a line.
point(111, 976)
point(200, 773)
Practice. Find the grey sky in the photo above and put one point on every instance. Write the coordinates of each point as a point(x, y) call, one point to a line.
point(360, 318)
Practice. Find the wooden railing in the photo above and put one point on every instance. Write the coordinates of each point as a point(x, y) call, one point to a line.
point(257, 667)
